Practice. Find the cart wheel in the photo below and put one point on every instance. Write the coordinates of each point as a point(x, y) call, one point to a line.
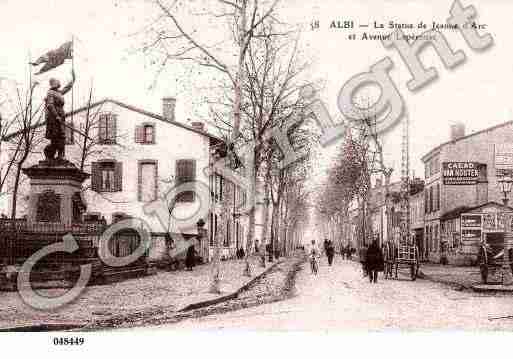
point(413, 272)
point(484, 273)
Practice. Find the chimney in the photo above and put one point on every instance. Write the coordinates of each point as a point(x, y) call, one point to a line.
point(197, 125)
point(168, 108)
point(457, 131)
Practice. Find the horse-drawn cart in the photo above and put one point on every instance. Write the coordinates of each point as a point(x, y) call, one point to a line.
point(401, 255)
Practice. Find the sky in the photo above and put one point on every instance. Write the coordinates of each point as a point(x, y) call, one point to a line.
point(476, 93)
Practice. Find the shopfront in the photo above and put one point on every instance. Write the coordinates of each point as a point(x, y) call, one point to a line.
point(483, 223)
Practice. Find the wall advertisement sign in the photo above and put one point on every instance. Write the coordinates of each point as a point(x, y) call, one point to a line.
point(471, 220)
point(470, 235)
point(460, 173)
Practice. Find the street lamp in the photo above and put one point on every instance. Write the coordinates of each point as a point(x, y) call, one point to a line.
point(505, 186)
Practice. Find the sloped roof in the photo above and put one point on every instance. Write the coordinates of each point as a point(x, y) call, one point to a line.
point(456, 212)
point(427, 155)
point(135, 109)
point(143, 112)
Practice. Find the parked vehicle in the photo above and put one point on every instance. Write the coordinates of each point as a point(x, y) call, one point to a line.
point(491, 257)
point(404, 254)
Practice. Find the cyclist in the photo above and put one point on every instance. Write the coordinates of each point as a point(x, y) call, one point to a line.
point(314, 253)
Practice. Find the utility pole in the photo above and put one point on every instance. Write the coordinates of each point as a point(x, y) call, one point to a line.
point(405, 180)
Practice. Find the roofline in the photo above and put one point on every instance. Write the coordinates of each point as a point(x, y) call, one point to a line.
point(427, 155)
point(459, 211)
point(129, 107)
point(146, 113)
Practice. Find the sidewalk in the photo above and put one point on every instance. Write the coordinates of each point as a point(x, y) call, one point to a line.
point(171, 291)
point(459, 276)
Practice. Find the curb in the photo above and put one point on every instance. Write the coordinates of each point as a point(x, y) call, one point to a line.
point(43, 327)
point(230, 296)
point(492, 288)
point(455, 285)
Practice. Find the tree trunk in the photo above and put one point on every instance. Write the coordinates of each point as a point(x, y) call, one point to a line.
point(251, 230)
point(265, 226)
point(388, 207)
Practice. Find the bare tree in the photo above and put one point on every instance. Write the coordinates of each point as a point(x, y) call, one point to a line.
point(170, 40)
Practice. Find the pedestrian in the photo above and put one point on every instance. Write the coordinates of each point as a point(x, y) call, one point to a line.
point(363, 259)
point(374, 261)
point(349, 252)
point(313, 253)
point(325, 246)
point(190, 257)
point(330, 252)
point(342, 251)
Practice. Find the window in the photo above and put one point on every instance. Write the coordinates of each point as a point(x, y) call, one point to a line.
point(107, 176)
point(435, 198)
point(438, 195)
point(228, 238)
point(237, 235)
point(107, 128)
point(218, 187)
point(145, 134)
point(185, 173)
point(70, 133)
point(148, 181)
point(430, 199)
point(213, 227)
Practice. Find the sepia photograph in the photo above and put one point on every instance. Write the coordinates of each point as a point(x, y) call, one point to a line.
point(267, 174)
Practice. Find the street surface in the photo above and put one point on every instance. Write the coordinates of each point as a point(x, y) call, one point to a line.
point(338, 298)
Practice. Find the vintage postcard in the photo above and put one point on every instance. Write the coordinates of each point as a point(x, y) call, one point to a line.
point(285, 166)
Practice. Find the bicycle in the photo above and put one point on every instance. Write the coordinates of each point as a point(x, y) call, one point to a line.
point(313, 265)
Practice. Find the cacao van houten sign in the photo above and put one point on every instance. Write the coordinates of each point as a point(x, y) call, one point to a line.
point(460, 173)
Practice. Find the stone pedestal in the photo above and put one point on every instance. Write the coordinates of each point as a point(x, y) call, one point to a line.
point(55, 188)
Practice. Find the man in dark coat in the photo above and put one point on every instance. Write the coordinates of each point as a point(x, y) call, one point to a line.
point(375, 262)
point(190, 257)
point(330, 252)
point(54, 116)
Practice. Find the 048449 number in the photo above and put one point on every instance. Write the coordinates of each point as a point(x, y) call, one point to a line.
point(68, 341)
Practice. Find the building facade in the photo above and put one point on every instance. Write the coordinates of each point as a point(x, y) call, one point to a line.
point(134, 158)
point(461, 174)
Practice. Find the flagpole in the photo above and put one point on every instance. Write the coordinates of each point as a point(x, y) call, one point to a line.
point(73, 70)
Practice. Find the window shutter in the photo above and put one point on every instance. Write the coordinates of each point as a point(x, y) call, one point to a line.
point(114, 127)
point(118, 176)
point(102, 129)
point(438, 196)
point(185, 172)
point(156, 168)
point(95, 176)
point(153, 134)
point(139, 132)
